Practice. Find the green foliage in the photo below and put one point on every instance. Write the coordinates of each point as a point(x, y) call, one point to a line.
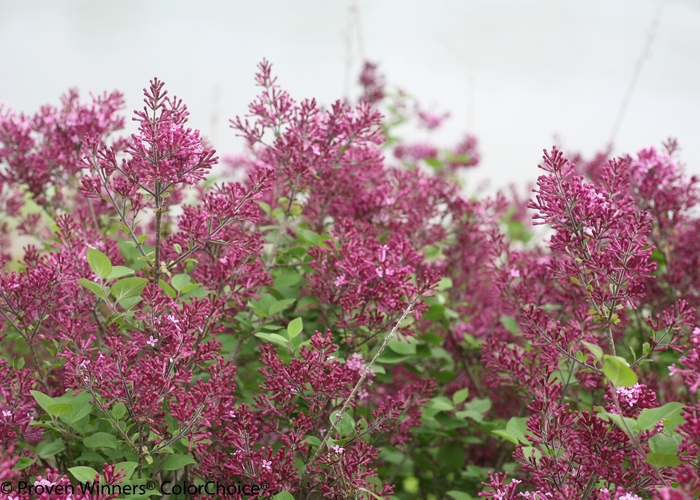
point(618, 372)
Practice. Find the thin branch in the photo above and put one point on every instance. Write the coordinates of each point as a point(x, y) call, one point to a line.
point(338, 414)
point(636, 74)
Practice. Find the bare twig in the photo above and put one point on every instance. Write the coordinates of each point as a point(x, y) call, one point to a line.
point(635, 74)
point(338, 414)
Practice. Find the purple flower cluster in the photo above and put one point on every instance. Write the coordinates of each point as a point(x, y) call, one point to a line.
point(345, 322)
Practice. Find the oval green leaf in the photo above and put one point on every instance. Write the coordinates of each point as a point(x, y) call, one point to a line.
point(101, 440)
point(283, 495)
point(618, 371)
point(460, 396)
point(295, 327)
point(661, 459)
point(345, 424)
point(119, 272)
point(281, 305)
point(83, 474)
point(274, 338)
point(177, 462)
point(99, 263)
point(128, 287)
point(649, 417)
point(92, 286)
point(43, 400)
point(180, 281)
point(595, 350)
point(59, 409)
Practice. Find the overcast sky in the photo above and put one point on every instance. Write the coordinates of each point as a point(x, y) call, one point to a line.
point(515, 73)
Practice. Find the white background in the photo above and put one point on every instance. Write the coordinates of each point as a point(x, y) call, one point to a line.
point(517, 74)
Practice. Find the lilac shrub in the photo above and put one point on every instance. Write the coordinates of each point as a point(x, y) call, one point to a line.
point(344, 322)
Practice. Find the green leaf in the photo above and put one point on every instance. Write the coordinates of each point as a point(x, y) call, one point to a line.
point(281, 305)
point(283, 495)
point(169, 291)
point(460, 396)
point(287, 278)
point(92, 286)
point(459, 495)
point(81, 404)
point(83, 474)
point(259, 312)
point(345, 424)
point(178, 248)
point(119, 272)
point(43, 400)
point(118, 411)
point(478, 405)
point(449, 422)
point(474, 415)
point(505, 435)
point(411, 485)
point(23, 463)
point(180, 281)
point(617, 370)
point(265, 207)
point(313, 441)
point(297, 342)
point(191, 287)
point(295, 327)
point(378, 369)
point(309, 236)
point(441, 403)
point(445, 284)
point(129, 302)
point(672, 422)
point(511, 324)
point(91, 457)
point(296, 252)
point(530, 451)
point(57, 410)
point(263, 305)
point(51, 448)
point(101, 440)
point(128, 467)
point(271, 327)
point(649, 417)
point(434, 163)
point(450, 456)
point(128, 287)
point(432, 252)
point(99, 263)
point(389, 357)
point(595, 350)
point(663, 443)
point(274, 338)
point(198, 291)
point(401, 346)
point(624, 423)
point(661, 459)
point(517, 427)
point(434, 313)
point(177, 462)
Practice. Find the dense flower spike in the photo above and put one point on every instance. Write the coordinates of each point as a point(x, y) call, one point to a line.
point(231, 336)
point(372, 83)
point(370, 282)
point(164, 152)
